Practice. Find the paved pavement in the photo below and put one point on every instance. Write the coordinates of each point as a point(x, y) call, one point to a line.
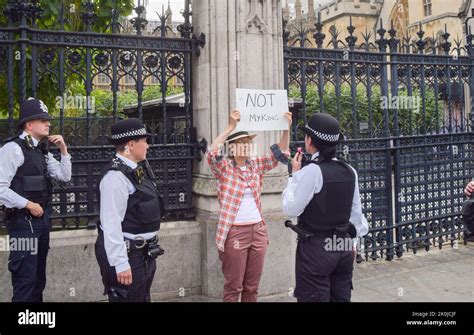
point(445, 275)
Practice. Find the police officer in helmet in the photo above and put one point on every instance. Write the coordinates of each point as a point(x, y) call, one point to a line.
point(130, 216)
point(324, 195)
point(26, 191)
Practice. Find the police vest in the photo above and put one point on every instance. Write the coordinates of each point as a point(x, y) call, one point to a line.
point(331, 207)
point(32, 180)
point(144, 207)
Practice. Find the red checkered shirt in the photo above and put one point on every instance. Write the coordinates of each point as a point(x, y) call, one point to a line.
point(232, 182)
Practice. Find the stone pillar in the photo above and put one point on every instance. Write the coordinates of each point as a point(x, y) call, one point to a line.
point(244, 49)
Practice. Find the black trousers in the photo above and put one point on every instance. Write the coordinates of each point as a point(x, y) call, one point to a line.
point(321, 275)
point(29, 246)
point(143, 272)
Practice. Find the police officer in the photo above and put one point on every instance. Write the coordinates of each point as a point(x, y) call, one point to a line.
point(130, 216)
point(324, 195)
point(469, 224)
point(26, 191)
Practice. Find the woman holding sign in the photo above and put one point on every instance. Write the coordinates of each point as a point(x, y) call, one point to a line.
point(241, 232)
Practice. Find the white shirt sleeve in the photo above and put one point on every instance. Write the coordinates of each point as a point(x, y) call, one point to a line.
point(12, 159)
point(60, 170)
point(114, 193)
point(301, 189)
point(357, 217)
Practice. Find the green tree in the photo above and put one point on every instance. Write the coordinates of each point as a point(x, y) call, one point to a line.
point(104, 99)
point(368, 119)
point(48, 84)
point(154, 91)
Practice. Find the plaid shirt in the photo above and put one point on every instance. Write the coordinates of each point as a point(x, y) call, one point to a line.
point(232, 182)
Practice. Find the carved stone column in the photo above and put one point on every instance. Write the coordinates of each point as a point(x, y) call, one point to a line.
point(244, 49)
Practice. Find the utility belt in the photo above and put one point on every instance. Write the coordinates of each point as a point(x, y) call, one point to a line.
point(11, 215)
point(346, 230)
point(150, 248)
point(139, 244)
point(305, 232)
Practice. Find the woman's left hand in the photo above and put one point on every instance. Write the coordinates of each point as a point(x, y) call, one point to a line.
point(288, 116)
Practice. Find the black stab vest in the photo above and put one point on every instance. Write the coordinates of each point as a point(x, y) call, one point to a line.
point(331, 207)
point(32, 180)
point(144, 207)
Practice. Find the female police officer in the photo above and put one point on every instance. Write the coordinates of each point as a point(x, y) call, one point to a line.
point(324, 195)
point(130, 214)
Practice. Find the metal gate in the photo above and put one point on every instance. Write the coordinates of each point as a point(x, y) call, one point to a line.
point(413, 160)
point(61, 48)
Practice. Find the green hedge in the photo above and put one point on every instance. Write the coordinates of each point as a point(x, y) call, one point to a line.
point(409, 120)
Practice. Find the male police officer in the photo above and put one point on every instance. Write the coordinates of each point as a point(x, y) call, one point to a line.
point(324, 195)
point(130, 214)
point(26, 191)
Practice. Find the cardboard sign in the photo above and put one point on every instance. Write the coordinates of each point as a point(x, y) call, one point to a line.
point(262, 110)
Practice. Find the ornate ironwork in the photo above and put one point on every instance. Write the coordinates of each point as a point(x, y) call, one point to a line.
point(64, 52)
point(412, 161)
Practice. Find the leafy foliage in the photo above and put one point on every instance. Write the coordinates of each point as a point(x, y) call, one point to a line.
point(48, 83)
point(369, 111)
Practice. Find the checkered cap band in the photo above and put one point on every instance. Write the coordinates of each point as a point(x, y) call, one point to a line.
point(133, 133)
point(324, 137)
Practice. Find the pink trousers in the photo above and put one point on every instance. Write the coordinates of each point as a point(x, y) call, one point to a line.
point(242, 261)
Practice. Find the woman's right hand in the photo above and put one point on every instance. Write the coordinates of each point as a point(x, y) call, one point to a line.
point(234, 118)
point(469, 189)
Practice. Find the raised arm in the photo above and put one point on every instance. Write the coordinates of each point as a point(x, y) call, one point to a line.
point(219, 140)
point(214, 156)
point(285, 137)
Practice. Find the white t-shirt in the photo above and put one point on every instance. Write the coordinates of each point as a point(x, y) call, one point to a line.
point(248, 212)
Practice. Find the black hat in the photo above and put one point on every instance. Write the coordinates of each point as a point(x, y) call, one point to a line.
point(127, 130)
point(33, 109)
point(239, 135)
point(323, 129)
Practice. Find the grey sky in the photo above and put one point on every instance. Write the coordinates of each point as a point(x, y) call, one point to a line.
point(156, 6)
point(304, 3)
point(177, 5)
